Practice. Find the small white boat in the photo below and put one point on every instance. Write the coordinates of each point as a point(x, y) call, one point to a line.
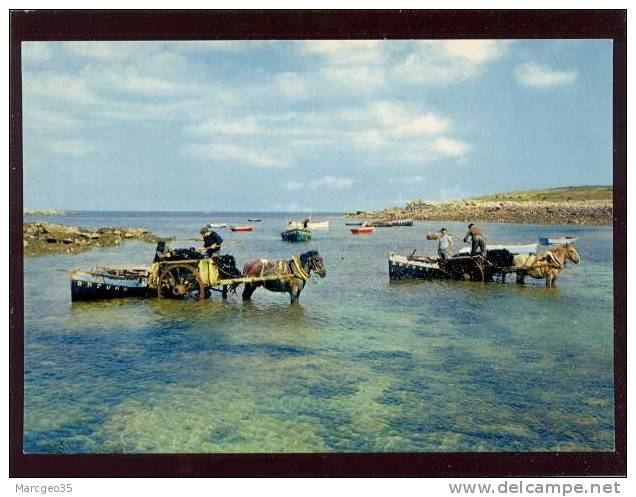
point(317, 225)
point(217, 225)
point(513, 248)
point(554, 240)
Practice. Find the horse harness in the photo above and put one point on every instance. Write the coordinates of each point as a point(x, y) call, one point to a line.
point(546, 260)
point(283, 267)
point(298, 269)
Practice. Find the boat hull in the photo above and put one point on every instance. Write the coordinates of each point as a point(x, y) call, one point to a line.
point(100, 286)
point(498, 263)
point(296, 235)
point(242, 228)
point(367, 230)
point(402, 268)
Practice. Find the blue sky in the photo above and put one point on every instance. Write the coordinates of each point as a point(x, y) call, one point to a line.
point(310, 125)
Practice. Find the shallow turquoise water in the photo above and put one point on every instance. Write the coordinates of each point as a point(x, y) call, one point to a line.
point(362, 364)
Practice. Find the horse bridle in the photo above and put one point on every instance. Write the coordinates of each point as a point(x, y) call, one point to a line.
point(313, 264)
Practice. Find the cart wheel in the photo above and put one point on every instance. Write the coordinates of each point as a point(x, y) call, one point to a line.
point(180, 282)
point(478, 273)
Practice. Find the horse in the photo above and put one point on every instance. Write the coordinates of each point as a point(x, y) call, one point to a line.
point(546, 265)
point(295, 274)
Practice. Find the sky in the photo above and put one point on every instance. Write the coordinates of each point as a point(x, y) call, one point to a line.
point(309, 125)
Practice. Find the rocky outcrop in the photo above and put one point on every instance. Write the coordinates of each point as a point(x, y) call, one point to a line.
point(41, 238)
point(531, 211)
point(46, 212)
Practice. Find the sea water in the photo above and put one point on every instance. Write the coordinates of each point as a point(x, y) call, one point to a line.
point(361, 364)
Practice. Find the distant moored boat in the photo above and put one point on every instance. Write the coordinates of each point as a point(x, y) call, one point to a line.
point(557, 240)
point(242, 228)
point(363, 230)
point(392, 223)
point(217, 225)
point(317, 225)
point(254, 220)
point(296, 235)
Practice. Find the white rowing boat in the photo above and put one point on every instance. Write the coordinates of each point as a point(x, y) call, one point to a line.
point(513, 248)
point(561, 240)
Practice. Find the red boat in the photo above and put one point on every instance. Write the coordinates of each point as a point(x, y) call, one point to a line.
point(363, 230)
point(242, 228)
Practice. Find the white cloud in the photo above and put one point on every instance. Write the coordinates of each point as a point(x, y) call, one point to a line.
point(43, 119)
point(347, 52)
point(72, 148)
point(328, 182)
point(475, 51)
point(408, 179)
point(356, 79)
point(236, 155)
point(291, 85)
point(537, 75)
point(427, 124)
point(214, 127)
point(47, 85)
point(445, 62)
point(450, 147)
point(97, 49)
point(35, 52)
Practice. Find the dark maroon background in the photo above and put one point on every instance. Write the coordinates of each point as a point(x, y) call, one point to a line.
point(307, 24)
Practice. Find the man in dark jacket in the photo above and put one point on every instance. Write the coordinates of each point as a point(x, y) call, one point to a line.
point(211, 241)
point(478, 242)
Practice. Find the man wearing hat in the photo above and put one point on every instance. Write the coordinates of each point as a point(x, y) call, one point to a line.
point(478, 243)
point(445, 242)
point(211, 241)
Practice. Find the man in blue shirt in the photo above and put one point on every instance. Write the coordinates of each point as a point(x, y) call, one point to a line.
point(444, 245)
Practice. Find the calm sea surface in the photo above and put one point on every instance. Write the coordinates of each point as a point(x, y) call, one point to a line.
point(361, 364)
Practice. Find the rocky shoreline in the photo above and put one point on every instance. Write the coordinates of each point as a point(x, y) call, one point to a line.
point(41, 238)
point(592, 212)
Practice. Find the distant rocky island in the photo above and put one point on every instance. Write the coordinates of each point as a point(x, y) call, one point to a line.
point(46, 212)
point(40, 238)
point(568, 205)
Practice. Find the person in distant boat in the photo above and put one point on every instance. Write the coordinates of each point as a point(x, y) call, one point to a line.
point(445, 242)
point(477, 240)
point(306, 223)
point(211, 241)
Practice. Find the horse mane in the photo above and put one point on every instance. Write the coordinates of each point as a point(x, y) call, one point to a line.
point(304, 257)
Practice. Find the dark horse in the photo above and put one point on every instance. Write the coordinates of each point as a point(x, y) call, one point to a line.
point(294, 274)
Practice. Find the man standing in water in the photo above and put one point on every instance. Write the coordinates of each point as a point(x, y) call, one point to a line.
point(478, 243)
point(444, 245)
point(211, 241)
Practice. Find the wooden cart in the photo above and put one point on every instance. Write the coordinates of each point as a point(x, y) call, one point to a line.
point(195, 279)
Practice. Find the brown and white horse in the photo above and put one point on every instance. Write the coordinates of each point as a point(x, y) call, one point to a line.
point(546, 265)
point(295, 274)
